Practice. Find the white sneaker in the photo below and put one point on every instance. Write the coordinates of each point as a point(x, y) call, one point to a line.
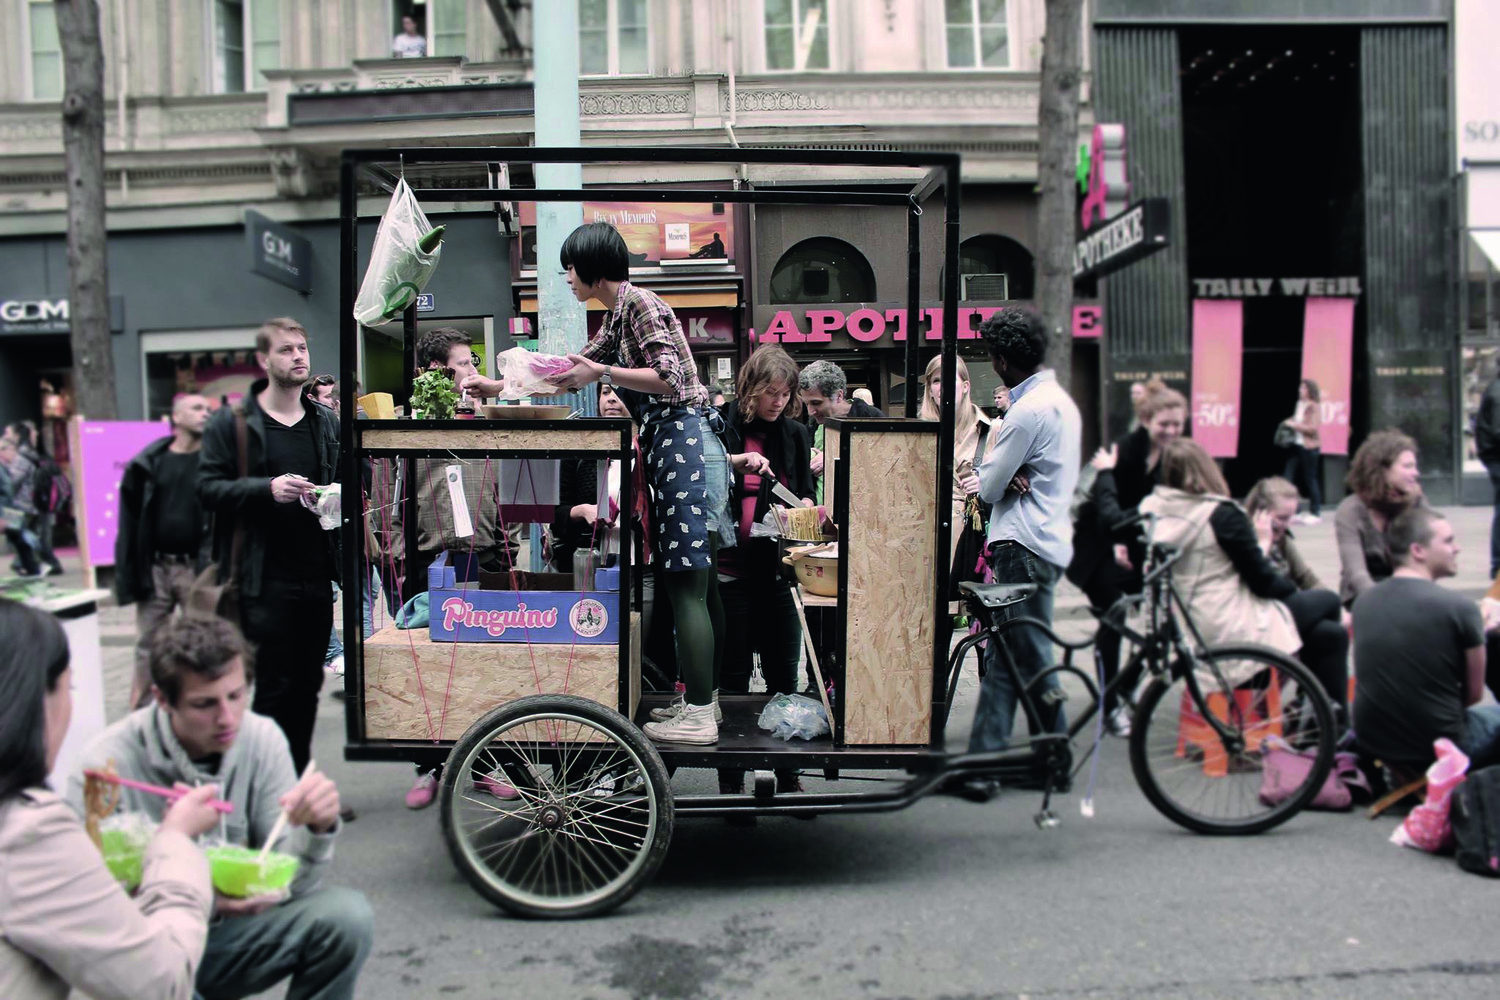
point(694, 724)
point(679, 703)
point(336, 666)
point(1311, 519)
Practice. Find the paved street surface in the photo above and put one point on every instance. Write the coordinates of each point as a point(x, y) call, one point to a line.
point(944, 900)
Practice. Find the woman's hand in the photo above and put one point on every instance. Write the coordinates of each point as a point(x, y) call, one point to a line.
point(1122, 557)
point(1106, 459)
point(192, 815)
point(585, 512)
point(581, 374)
point(1262, 524)
point(751, 462)
point(969, 484)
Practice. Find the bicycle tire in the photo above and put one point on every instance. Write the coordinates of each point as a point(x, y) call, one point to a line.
point(1184, 767)
point(591, 820)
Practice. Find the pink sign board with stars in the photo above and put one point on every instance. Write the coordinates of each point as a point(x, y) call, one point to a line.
point(105, 448)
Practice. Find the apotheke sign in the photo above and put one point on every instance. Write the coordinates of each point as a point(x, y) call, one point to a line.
point(878, 324)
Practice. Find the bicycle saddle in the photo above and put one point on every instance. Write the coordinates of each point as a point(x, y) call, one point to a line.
point(998, 595)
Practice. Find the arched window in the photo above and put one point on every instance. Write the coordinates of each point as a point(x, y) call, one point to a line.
point(822, 269)
point(995, 267)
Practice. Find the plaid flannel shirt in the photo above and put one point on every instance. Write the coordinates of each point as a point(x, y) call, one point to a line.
point(641, 331)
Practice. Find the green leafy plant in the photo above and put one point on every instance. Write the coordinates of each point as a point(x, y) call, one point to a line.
point(433, 395)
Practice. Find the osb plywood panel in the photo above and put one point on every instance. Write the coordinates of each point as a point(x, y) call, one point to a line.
point(833, 446)
point(889, 544)
point(483, 438)
point(483, 676)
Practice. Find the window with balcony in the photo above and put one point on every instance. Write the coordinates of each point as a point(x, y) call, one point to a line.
point(822, 269)
point(612, 38)
point(46, 52)
point(978, 34)
point(448, 27)
point(247, 42)
point(796, 34)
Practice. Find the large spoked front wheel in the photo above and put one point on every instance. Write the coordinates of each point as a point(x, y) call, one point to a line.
point(1209, 780)
point(556, 806)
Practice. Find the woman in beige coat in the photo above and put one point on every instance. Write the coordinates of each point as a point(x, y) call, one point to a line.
point(64, 921)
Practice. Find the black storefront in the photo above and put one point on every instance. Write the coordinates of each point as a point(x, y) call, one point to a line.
point(1306, 150)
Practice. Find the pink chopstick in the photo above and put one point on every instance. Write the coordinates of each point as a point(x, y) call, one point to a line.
point(166, 793)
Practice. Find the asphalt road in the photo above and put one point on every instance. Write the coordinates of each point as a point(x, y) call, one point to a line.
point(944, 900)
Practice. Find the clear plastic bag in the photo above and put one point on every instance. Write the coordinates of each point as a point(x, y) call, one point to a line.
point(327, 503)
point(526, 373)
point(794, 715)
point(399, 267)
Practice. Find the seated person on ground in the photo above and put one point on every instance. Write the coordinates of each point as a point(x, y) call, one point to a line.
point(200, 731)
point(1419, 654)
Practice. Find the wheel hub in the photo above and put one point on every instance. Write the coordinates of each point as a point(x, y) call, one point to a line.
point(551, 817)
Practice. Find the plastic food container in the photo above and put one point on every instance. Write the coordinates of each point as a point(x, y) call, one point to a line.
point(123, 856)
point(237, 871)
point(817, 568)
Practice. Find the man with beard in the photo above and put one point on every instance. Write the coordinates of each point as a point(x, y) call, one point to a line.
point(165, 534)
point(287, 563)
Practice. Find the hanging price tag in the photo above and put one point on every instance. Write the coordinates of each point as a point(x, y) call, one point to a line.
point(463, 526)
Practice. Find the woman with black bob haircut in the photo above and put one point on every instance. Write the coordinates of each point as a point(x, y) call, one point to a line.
point(65, 923)
point(640, 351)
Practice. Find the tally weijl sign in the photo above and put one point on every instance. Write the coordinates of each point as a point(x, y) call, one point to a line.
point(1252, 288)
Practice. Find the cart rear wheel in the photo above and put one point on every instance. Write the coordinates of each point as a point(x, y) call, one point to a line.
point(592, 812)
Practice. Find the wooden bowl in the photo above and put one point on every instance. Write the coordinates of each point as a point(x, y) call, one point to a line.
point(526, 411)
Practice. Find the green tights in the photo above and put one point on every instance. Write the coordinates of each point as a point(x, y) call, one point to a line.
point(699, 619)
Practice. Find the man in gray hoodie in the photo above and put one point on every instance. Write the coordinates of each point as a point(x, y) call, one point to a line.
point(199, 730)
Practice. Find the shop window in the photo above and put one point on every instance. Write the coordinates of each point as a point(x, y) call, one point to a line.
point(46, 51)
point(1481, 365)
point(219, 364)
point(796, 34)
point(994, 267)
point(612, 38)
point(247, 42)
point(978, 34)
point(822, 269)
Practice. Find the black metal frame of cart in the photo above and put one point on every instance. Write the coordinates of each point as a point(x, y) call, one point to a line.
point(942, 173)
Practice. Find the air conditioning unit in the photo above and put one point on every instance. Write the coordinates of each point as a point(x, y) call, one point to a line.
point(985, 286)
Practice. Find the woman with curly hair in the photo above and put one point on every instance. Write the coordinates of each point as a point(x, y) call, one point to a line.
point(1386, 482)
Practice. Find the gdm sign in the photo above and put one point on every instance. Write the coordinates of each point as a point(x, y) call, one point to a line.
point(34, 311)
point(278, 252)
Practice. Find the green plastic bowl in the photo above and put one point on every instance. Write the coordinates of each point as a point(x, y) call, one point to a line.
point(237, 871)
point(123, 857)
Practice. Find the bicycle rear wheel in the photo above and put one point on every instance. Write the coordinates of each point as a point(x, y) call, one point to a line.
point(1209, 783)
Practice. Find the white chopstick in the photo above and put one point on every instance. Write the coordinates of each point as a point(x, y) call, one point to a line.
point(281, 820)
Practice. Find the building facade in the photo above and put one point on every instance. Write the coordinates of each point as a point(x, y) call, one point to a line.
point(225, 119)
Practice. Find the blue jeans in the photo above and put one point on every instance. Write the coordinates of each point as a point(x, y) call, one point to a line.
point(1483, 744)
point(1494, 471)
point(1029, 647)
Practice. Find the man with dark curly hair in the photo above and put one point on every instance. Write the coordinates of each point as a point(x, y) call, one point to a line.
point(1029, 478)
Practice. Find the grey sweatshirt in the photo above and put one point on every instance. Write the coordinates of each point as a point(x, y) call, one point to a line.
point(253, 775)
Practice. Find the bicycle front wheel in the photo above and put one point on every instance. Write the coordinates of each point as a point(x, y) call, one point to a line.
point(1208, 781)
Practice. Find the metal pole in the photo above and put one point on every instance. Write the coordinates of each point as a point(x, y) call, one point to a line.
point(913, 301)
point(349, 467)
point(945, 430)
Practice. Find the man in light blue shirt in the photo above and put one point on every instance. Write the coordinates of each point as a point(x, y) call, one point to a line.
point(1029, 478)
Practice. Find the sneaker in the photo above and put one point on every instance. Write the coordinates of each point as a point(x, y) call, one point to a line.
point(695, 724)
point(1118, 722)
point(1312, 519)
point(423, 791)
point(678, 704)
point(52, 571)
point(498, 787)
point(336, 666)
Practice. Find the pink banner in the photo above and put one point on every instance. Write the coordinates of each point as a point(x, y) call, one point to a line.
point(1328, 359)
point(105, 448)
point(1218, 338)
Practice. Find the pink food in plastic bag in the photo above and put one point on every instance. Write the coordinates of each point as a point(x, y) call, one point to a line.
point(549, 365)
point(1427, 827)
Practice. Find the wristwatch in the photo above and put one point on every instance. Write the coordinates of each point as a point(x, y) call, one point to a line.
point(607, 378)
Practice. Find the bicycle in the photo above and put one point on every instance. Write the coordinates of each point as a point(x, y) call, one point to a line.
point(1202, 725)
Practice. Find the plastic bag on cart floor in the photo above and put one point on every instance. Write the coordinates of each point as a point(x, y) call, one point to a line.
point(526, 373)
point(406, 252)
point(794, 715)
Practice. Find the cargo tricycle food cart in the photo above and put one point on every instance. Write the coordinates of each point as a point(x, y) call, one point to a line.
point(551, 720)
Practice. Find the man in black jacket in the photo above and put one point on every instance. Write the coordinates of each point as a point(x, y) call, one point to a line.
point(165, 534)
point(1487, 445)
point(287, 561)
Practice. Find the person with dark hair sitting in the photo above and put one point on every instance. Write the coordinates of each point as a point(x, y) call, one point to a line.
point(200, 731)
point(642, 352)
point(1385, 482)
point(65, 923)
point(1419, 655)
